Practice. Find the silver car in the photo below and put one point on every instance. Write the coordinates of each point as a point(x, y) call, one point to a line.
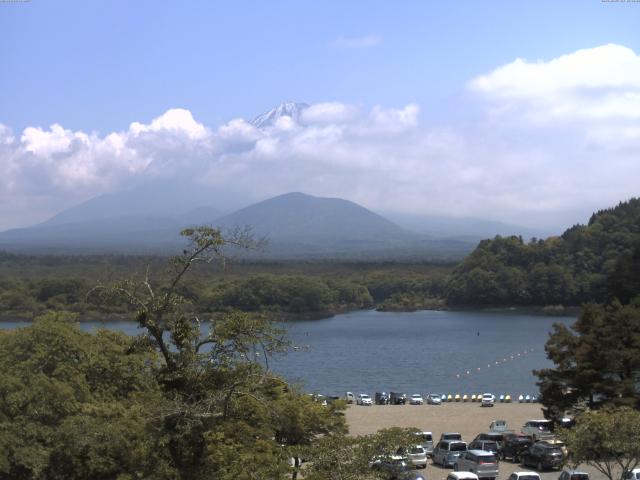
point(426, 440)
point(482, 463)
point(446, 452)
point(537, 429)
point(415, 455)
point(434, 399)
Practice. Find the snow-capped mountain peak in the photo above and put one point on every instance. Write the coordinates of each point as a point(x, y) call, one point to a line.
point(286, 109)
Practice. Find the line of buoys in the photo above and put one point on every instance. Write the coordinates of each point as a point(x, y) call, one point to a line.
point(497, 362)
point(502, 398)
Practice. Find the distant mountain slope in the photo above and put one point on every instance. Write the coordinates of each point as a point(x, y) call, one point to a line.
point(300, 218)
point(157, 199)
point(581, 265)
point(296, 225)
point(463, 227)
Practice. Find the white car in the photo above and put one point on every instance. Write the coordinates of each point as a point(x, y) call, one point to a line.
point(364, 399)
point(488, 399)
point(416, 399)
point(462, 476)
point(633, 474)
point(524, 476)
point(434, 399)
point(416, 456)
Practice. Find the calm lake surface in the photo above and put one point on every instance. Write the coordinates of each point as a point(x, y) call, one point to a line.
point(418, 352)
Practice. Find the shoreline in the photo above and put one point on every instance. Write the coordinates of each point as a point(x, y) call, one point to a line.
point(543, 311)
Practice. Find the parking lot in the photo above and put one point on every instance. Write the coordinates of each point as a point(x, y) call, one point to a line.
point(469, 419)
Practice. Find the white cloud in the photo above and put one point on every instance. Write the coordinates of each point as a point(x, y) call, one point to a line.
point(329, 112)
point(366, 41)
point(176, 120)
point(596, 83)
point(555, 142)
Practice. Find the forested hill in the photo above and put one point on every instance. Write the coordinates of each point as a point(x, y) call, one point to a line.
point(587, 263)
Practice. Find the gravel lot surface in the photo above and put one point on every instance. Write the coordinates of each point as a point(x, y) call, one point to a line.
point(469, 419)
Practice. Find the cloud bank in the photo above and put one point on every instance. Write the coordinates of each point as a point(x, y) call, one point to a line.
point(559, 138)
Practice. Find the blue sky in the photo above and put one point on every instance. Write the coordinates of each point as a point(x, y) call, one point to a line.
point(516, 111)
point(100, 65)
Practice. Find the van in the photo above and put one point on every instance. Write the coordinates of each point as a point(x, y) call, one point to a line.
point(446, 452)
point(350, 397)
point(484, 464)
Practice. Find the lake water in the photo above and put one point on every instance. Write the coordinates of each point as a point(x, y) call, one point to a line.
point(419, 352)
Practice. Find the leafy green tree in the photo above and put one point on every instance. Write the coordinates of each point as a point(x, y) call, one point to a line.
point(339, 457)
point(586, 263)
point(597, 360)
point(607, 440)
point(75, 405)
point(225, 405)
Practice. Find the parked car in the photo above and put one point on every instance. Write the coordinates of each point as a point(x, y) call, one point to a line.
point(498, 426)
point(497, 437)
point(484, 464)
point(524, 476)
point(537, 429)
point(486, 445)
point(514, 445)
point(382, 398)
point(572, 474)
point(397, 398)
point(426, 440)
point(450, 436)
point(416, 399)
point(434, 399)
point(462, 476)
point(415, 455)
point(396, 467)
point(446, 452)
point(364, 399)
point(543, 457)
point(350, 397)
point(633, 474)
point(392, 465)
point(411, 475)
point(488, 399)
point(554, 442)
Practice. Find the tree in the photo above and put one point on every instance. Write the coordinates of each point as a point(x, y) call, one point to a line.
point(338, 457)
point(597, 360)
point(227, 414)
point(75, 405)
point(607, 440)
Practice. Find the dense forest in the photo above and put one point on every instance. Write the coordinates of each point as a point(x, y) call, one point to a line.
point(586, 263)
point(32, 285)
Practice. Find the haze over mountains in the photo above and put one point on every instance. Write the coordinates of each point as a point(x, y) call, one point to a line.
point(146, 218)
point(296, 225)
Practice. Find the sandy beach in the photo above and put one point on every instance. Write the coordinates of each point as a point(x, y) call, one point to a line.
point(469, 419)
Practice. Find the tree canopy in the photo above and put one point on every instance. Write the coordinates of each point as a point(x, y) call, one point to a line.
point(586, 263)
point(606, 440)
point(185, 400)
